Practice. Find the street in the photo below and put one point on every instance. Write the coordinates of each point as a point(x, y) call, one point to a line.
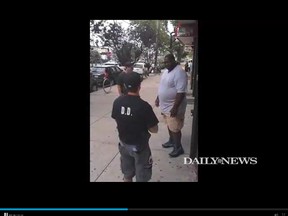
point(104, 154)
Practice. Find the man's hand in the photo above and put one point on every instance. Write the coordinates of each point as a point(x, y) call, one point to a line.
point(157, 102)
point(173, 112)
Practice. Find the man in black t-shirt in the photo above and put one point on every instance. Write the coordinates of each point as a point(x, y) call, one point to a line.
point(120, 81)
point(135, 118)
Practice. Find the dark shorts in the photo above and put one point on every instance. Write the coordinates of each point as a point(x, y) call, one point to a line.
point(136, 163)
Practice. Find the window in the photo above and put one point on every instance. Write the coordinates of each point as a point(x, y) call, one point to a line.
point(98, 70)
point(138, 65)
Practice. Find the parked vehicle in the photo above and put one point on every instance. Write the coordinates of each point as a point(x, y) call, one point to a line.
point(100, 71)
point(93, 83)
point(139, 68)
point(113, 63)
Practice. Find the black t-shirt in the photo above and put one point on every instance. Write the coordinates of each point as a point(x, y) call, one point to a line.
point(133, 116)
point(120, 81)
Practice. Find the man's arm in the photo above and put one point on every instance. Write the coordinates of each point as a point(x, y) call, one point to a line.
point(181, 82)
point(178, 100)
point(151, 119)
point(119, 89)
point(120, 84)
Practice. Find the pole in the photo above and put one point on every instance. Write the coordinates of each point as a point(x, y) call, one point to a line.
point(194, 65)
point(194, 135)
point(171, 40)
point(157, 35)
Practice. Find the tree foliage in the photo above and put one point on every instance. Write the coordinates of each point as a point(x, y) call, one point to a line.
point(94, 57)
point(138, 40)
point(145, 30)
point(148, 32)
point(113, 35)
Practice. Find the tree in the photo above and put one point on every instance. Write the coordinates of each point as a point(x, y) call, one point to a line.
point(94, 57)
point(128, 52)
point(95, 30)
point(145, 32)
point(139, 39)
point(113, 35)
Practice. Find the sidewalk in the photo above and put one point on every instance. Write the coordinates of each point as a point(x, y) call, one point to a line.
point(104, 154)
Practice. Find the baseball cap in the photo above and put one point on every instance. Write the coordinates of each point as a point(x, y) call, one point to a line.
point(132, 80)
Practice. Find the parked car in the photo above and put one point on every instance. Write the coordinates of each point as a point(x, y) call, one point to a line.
point(113, 63)
point(93, 83)
point(100, 70)
point(139, 68)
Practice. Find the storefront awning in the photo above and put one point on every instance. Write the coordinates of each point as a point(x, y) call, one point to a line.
point(185, 31)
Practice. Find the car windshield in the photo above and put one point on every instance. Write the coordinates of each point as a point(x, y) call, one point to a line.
point(98, 70)
point(138, 66)
point(111, 63)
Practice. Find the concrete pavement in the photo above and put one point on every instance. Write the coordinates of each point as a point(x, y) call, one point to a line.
point(104, 154)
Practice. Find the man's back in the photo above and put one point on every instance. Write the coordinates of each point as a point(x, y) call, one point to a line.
point(133, 116)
